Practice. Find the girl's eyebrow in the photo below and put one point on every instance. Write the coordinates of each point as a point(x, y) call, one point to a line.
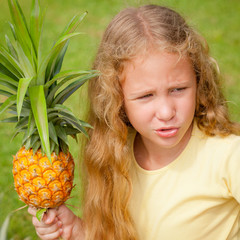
point(136, 94)
point(180, 83)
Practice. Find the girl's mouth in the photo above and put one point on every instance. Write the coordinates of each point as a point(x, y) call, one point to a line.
point(167, 132)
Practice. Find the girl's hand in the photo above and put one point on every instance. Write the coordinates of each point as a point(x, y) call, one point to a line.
point(56, 223)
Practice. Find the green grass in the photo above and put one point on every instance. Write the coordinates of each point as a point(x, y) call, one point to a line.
point(217, 20)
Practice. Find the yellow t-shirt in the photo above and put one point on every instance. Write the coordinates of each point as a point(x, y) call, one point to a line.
point(196, 197)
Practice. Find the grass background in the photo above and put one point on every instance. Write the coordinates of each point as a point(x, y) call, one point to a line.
point(217, 20)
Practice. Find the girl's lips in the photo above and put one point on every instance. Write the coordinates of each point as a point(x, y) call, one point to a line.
point(166, 133)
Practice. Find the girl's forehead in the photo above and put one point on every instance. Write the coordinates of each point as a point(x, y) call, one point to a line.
point(157, 64)
point(173, 58)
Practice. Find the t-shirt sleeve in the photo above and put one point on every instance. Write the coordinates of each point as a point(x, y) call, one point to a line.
point(231, 168)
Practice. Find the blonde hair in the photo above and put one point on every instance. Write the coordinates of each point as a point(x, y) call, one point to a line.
point(132, 32)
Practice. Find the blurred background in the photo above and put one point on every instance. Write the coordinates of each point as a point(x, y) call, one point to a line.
point(217, 20)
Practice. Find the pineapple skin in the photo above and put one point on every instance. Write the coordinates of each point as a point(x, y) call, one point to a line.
point(42, 184)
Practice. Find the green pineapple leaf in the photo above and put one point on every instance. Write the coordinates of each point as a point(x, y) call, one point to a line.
point(10, 64)
point(40, 214)
point(9, 102)
point(8, 79)
point(22, 123)
point(6, 72)
point(22, 89)
point(25, 62)
point(52, 133)
point(57, 63)
point(61, 133)
point(60, 80)
point(36, 24)
point(31, 125)
point(69, 90)
point(20, 28)
point(39, 108)
point(73, 24)
point(11, 48)
point(8, 85)
point(5, 93)
point(48, 65)
point(65, 76)
point(9, 120)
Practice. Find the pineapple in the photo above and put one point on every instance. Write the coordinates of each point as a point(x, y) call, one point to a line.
point(39, 182)
point(34, 89)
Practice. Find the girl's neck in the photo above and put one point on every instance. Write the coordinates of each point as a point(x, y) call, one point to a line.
point(151, 157)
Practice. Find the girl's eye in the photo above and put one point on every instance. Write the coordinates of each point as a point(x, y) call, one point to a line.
point(145, 96)
point(178, 89)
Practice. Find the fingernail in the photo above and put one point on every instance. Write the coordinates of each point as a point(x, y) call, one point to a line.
point(48, 221)
point(59, 223)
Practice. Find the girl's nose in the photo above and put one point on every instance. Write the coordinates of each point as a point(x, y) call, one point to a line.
point(165, 110)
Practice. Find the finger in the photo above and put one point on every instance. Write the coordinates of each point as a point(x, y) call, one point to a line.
point(42, 224)
point(50, 236)
point(32, 211)
point(50, 229)
point(50, 216)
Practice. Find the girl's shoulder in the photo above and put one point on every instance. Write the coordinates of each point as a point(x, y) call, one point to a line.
point(218, 138)
point(219, 145)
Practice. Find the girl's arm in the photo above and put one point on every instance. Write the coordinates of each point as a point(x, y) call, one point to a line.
point(61, 222)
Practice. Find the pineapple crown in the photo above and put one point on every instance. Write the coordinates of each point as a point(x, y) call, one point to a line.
point(34, 87)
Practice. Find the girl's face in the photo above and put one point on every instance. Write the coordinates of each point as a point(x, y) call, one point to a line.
point(159, 96)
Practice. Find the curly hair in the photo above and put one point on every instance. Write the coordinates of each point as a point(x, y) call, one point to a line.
point(132, 32)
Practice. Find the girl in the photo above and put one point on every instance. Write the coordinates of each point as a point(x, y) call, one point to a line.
point(163, 157)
